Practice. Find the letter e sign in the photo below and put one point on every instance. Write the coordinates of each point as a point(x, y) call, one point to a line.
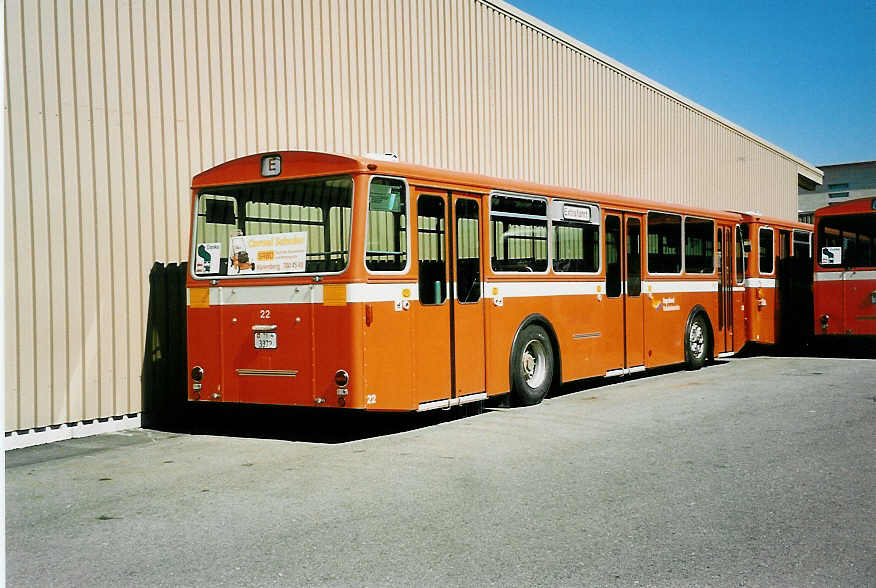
point(271, 165)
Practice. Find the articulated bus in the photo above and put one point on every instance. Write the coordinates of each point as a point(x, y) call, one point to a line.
point(844, 286)
point(337, 281)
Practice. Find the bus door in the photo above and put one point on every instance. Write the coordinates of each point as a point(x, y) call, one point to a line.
point(432, 320)
point(738, 297)
point(623, 290)
point(467, 347)
point(724, 330)
point(449, 351)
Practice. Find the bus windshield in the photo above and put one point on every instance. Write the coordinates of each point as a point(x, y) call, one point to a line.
point(847, 240)
point(280, 227)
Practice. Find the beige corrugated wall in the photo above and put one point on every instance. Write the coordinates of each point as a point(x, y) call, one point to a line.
point(112, 106)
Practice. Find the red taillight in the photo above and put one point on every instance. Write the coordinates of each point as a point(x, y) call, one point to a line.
point(341, 378)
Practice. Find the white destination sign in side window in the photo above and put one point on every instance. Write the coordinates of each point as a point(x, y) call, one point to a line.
point(578, 213)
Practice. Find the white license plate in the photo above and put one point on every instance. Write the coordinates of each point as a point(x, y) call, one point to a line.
point(265, 340)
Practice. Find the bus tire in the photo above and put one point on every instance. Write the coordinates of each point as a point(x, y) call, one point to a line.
point(532, 366)
point(696, 342)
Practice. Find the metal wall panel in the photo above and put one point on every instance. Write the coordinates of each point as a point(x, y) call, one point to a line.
point(113, 105)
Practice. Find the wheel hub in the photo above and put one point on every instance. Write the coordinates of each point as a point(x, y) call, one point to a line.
point(532, 363)
point(697, 340)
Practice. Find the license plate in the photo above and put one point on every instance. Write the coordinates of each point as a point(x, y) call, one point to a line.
point(265, 340)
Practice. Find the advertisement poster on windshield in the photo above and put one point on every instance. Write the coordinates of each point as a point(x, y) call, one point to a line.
point(207, 258)
point(274, 253)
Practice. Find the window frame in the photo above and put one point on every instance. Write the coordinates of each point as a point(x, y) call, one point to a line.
point(595, 209)
point(738, 241)
point(619, 215)
point(547, 218)
point(625, 235)
point(242, 214)
point(442, 250)
point(845, 265)
point(455, 253)
point(684, 242)
point(794, 241)
point(773, 257)
point(407, 267)
point(680, 246)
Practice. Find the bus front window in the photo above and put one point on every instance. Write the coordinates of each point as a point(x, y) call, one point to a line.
point(281, 227)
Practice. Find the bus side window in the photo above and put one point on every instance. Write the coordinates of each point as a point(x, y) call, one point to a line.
point(699, 245)
point(386, 247)
point(518, 234)
point(576, 246)
point(802, 244)
point(664, 243)
point(765, 244)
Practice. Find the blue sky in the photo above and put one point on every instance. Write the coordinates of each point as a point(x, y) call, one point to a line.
point(802, 75)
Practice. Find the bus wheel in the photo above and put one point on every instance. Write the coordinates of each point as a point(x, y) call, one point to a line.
point(532, 366)
point(696, 343)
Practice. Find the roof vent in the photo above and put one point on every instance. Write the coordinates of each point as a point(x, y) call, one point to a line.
point(388, 156)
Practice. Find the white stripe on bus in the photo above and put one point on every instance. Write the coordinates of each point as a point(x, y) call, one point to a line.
point(760, 282)
point(388, 292)
point(528, 289)
point(848, 275)
point(671, 287)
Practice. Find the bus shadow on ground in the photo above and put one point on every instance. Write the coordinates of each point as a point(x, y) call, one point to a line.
point(308, 425)
point(333, 426)
point(826, 346)
point(601, 381)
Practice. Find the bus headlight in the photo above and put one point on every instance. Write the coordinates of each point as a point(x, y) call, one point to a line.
point(341, 378)
point(197, 373)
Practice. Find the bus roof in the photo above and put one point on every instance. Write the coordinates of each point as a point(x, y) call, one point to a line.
point(302, 164)
point(859, 205)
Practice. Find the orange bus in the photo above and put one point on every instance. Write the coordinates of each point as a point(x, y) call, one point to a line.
point(339, 281)
point(844, 286)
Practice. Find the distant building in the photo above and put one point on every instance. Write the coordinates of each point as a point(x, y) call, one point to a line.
point(842, 182)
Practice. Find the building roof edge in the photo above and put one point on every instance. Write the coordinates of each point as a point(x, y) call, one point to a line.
point(812, 171)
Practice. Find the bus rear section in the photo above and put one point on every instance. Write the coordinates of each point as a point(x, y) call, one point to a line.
point(844, 288)
point(268, 314)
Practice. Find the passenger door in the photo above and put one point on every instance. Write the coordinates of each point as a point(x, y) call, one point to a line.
point(467, 346)
point(449, 322)
point(724, 330)
point(623, 289)
point(738, 296)
point(432, 322)
point(634, 319)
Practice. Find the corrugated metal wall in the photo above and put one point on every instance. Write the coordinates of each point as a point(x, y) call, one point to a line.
point(112, 106)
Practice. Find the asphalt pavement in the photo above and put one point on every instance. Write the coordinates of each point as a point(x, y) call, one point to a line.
point(751, 472)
